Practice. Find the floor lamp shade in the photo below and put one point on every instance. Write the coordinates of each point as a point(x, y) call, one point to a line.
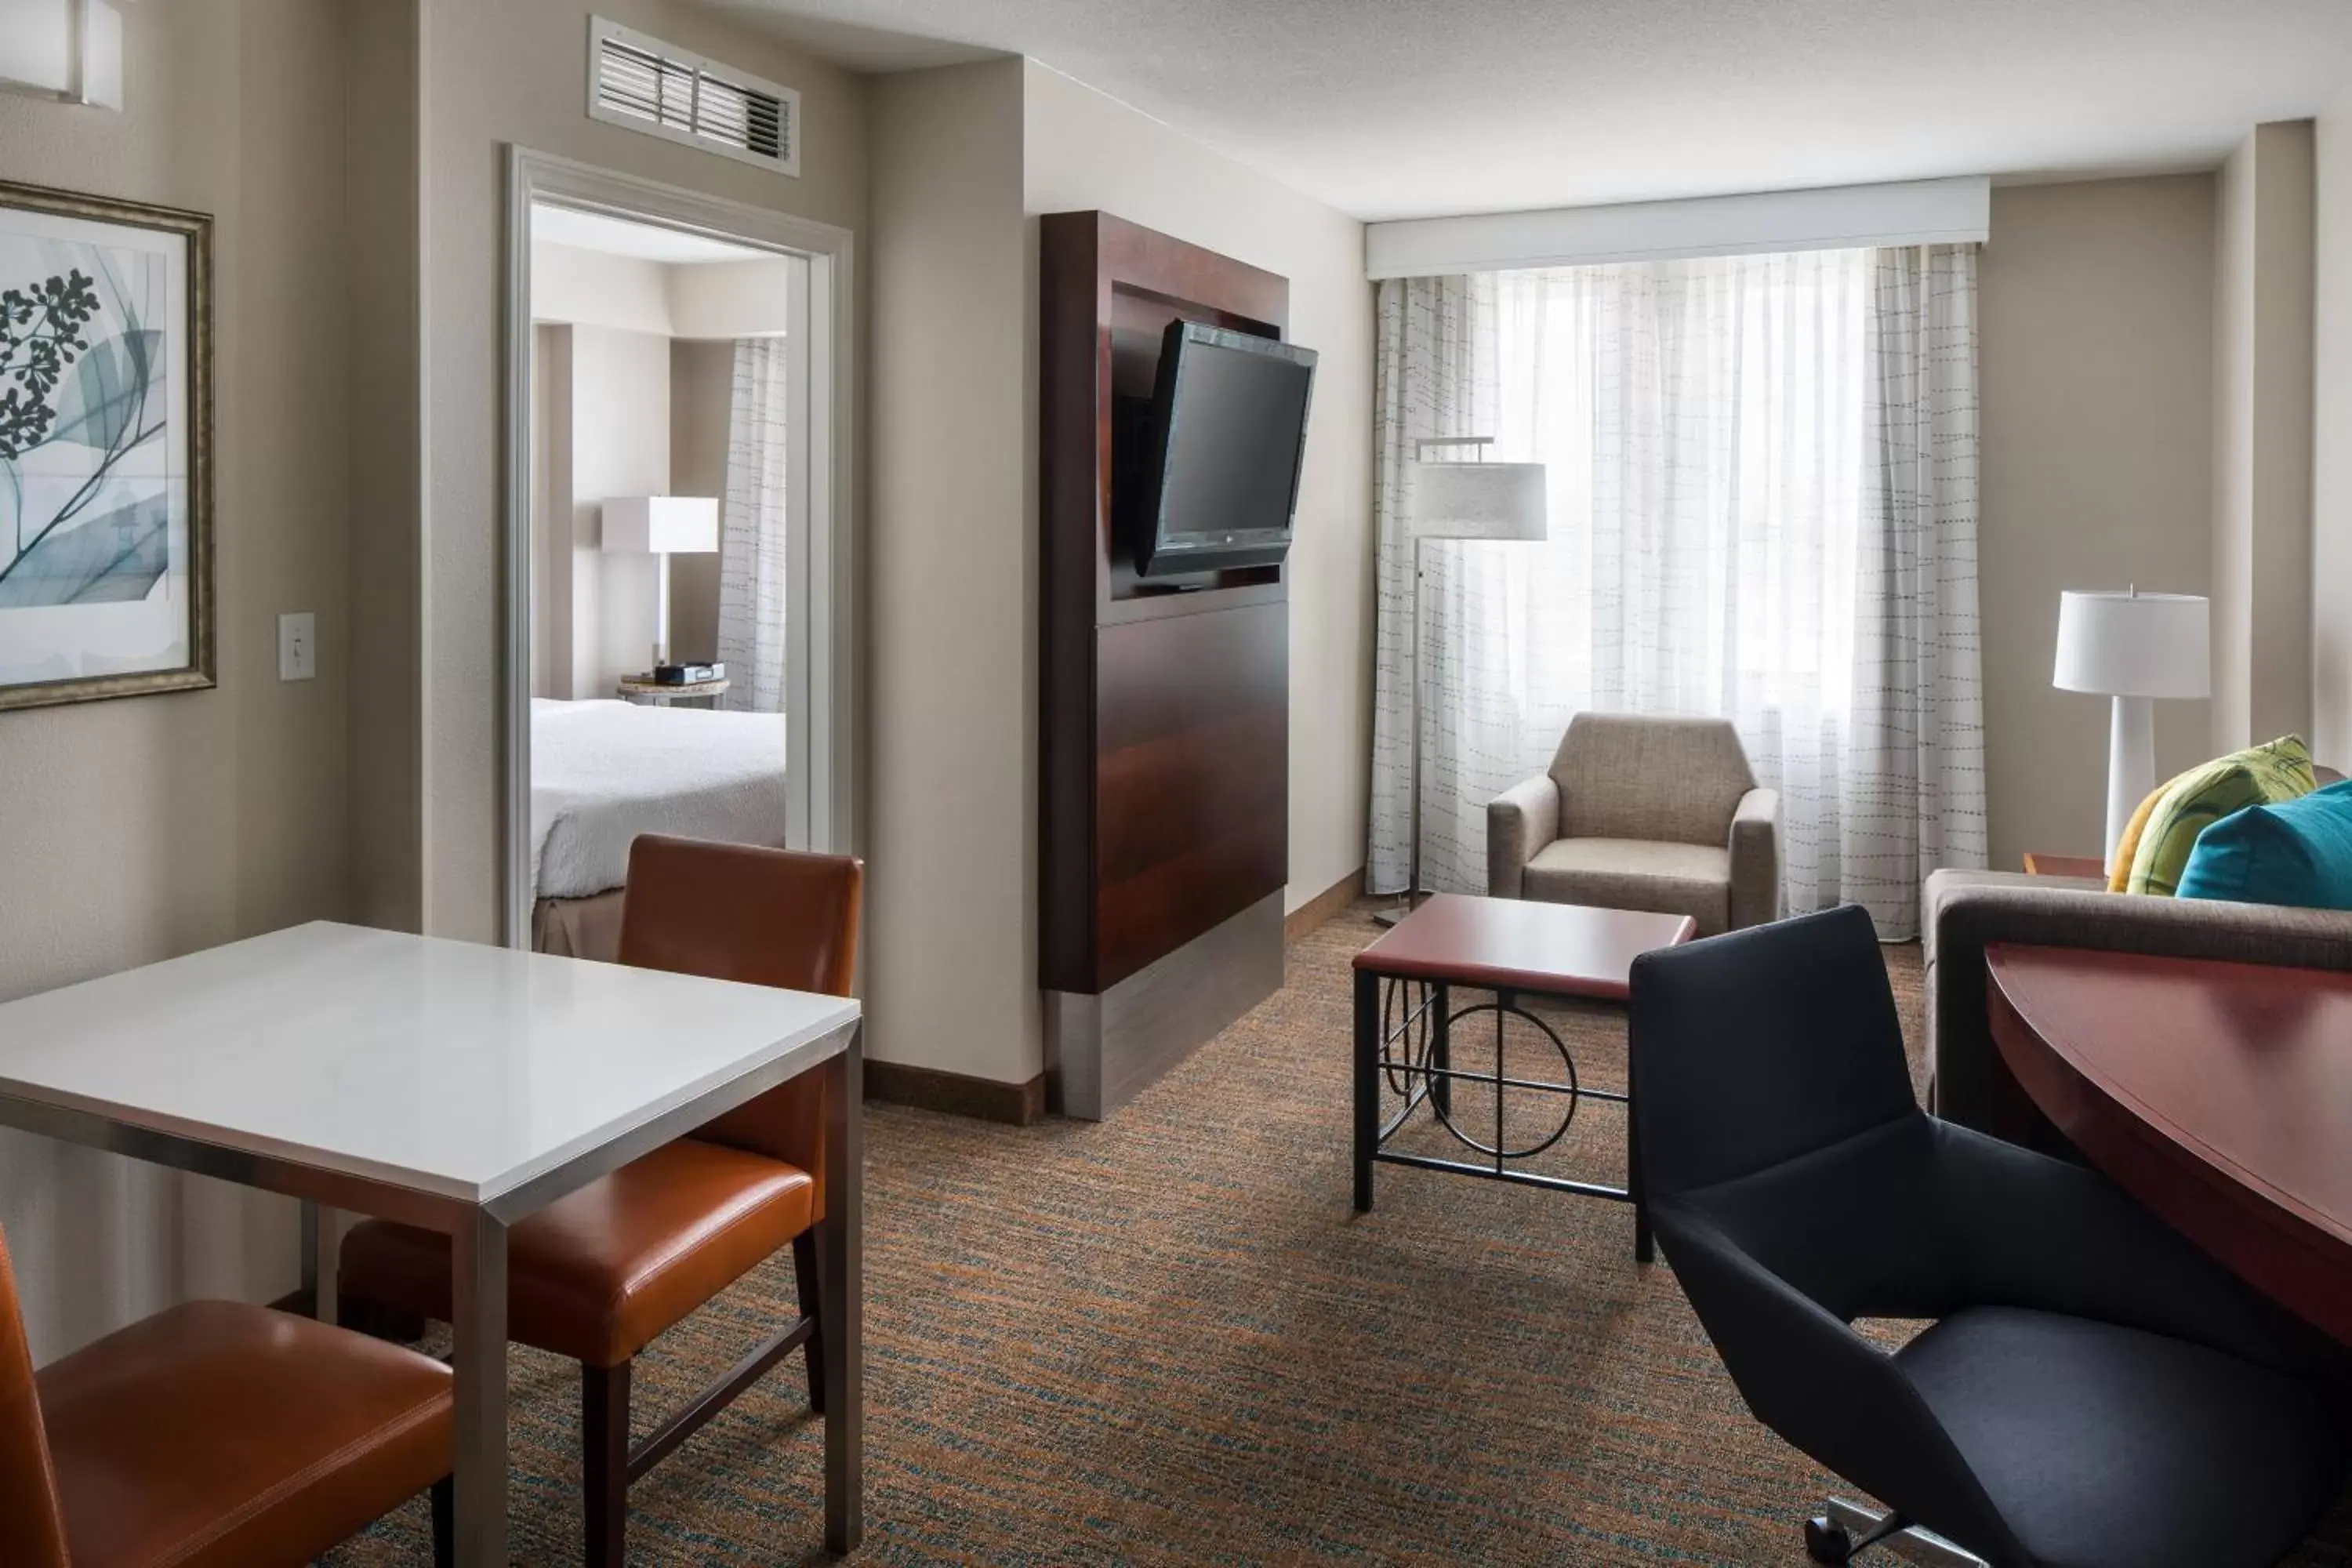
point(2133, 647)
point(1478, 501)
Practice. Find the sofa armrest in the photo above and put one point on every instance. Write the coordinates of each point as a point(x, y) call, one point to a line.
point(1967, 910)
point(1756, 860)
point(1519, 822)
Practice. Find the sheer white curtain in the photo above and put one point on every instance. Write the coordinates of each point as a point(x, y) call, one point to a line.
point(1761, 477)
point(752, 544)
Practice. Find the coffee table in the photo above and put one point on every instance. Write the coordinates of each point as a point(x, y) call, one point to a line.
point(1513, 948)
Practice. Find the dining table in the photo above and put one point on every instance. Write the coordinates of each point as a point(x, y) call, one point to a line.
point(450, 1084)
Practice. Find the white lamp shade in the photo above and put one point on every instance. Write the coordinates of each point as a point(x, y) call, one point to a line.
point(1477, 501)
point(2134, 645)
point(661, 525)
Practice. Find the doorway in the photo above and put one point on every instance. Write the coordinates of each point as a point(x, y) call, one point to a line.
point(676, 531)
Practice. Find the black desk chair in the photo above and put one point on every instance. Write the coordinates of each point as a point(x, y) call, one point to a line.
point(2094, 1390)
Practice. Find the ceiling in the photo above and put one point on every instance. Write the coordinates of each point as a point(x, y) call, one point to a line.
point(644, 241)
point(1407, 109)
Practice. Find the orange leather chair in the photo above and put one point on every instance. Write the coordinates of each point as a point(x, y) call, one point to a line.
point(597, 1274)
point(213, 1436)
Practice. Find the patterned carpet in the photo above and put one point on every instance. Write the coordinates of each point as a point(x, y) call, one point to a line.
point(1166, 1340)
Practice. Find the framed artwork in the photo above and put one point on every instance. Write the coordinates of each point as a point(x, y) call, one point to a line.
point(106, 566)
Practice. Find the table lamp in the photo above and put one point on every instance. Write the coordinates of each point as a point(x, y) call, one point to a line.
point(2134, 648)
point(664, 526)
point(1458, 500)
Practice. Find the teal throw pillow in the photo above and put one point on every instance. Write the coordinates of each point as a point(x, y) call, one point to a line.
point(2296, 853)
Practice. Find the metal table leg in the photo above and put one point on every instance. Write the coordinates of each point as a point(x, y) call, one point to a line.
point(1368, 1083)
point(479, 1292)
point(841, 1262)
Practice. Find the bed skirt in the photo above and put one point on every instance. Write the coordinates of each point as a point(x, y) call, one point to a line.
point(579, 927)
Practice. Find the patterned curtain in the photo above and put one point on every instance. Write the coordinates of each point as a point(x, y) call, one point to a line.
point(751, 533)
point(1735, 530)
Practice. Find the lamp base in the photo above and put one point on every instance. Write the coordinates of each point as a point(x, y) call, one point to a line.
point(2131, 767)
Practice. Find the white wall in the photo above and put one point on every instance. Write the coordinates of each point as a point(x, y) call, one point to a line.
point(952, 977)
point(591, 287)
point(964, 158)
point(2263, 474)
point(2331, 499)
point(136, 829)
point(2095, 353)
point(620, 447)
point(1086, 150)
point(730, 298)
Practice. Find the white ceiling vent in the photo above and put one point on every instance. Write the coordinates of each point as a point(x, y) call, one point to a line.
point(678, 96)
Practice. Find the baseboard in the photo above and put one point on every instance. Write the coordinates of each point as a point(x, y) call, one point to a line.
point(1320, 910)
point(983, 1099)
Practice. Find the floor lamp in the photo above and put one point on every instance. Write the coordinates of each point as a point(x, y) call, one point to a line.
point(1458, 500)
point(2135, 648)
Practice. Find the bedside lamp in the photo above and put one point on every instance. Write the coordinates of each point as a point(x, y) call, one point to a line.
point(664, 526)
point(2134, 648)
point(1459, 501)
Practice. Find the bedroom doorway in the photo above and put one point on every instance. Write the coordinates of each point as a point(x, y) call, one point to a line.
point(676, 435)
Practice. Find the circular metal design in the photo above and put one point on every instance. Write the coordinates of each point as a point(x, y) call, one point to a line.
point(1569, 1092)
point(1401, 1060)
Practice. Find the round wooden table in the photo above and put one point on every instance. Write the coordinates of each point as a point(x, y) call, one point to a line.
point(2220, 1095)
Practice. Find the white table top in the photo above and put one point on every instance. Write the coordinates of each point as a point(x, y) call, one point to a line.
point(446, 1068)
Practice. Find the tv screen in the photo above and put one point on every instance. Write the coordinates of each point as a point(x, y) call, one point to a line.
point(1229, 429)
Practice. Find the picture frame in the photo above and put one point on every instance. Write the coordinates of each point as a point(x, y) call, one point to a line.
point(106, 461)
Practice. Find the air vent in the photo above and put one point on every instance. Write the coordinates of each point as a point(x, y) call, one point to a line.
point(669, 92)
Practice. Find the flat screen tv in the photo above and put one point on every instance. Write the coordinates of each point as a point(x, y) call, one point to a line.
point(1227, 431)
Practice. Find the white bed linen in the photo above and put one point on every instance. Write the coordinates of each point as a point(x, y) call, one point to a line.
point(604, 771)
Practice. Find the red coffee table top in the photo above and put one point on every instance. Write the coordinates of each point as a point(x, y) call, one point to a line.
point(1516, 944)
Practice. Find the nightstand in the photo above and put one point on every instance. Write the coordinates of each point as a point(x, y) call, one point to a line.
point(643, 689)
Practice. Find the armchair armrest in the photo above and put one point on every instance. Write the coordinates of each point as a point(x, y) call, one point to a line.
point(1756, 860)
point(1519, 822)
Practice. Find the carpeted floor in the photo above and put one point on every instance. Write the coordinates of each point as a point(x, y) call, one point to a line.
point(1168, 1340)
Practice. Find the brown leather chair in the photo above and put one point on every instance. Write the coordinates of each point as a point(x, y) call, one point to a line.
point(214, 1434)
point(597, 1274)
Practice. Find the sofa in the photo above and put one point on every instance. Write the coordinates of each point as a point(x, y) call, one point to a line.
point(1643, 812)
point(1966, 910)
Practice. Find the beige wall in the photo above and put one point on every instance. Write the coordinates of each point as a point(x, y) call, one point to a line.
point(2262, 517)
point(2331, 501)
point(136, 829)
point(963, 158)
point(952, 977)
point(1086, 150)
point(620, 447)
point(702, 394)
point(514, 72)
point(590, 288)
point(2096, 355)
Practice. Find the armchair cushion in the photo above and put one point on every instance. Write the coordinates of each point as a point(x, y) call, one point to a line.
point(1519, 822)
point(1692, 879)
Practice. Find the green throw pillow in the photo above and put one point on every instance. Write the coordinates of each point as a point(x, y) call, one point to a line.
point(2259, 775)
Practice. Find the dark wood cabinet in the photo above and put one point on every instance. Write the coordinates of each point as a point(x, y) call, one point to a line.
point(1165, 705)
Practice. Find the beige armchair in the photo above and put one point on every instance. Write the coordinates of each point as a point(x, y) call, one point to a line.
point(1640, 813)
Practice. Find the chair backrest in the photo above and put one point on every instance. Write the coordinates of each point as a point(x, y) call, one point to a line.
point(1778, 1146)
point(1752, 1048)
point(32, 1524)
point(765, 917)
point(1639, 775)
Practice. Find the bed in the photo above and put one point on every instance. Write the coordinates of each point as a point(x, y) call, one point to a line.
point(604, 771)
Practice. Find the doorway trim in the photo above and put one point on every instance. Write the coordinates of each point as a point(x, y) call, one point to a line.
point(821, 658)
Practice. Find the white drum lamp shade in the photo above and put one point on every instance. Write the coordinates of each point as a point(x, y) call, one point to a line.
point(2133, 647)
point(1477, 501)
point(662, 526)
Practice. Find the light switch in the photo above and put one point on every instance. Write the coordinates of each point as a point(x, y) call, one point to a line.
point(298, 646)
